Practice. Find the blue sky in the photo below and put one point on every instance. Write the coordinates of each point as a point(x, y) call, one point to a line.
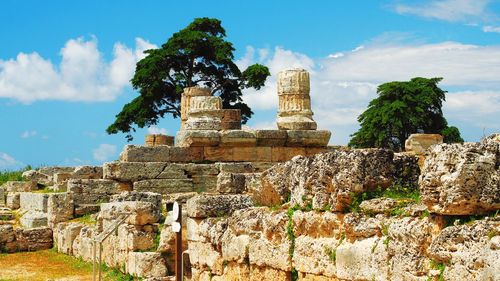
point(65, 65)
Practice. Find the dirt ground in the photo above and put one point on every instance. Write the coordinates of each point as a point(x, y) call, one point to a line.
point(44, 266)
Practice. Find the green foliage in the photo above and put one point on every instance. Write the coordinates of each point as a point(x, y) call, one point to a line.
point(451, 135)
point(468, 219)
point(289, 229)
point(195, 55)
point(6, 176)
point(403, 108)
point(404, 195)
point(85, 219)
point(294, 274)
point(439, 266)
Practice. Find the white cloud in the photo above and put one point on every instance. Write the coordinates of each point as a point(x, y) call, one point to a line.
point(28, 134)
point(153, 130)
point(489, 28)
point(8, 162)
point(82, 74)
point(104, 152)
point(342, 87)
point(448, 10)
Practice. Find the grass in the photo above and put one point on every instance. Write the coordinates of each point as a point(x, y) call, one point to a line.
point(51, 265)
point(6, 176)
point(404, 194)
point(439, 266)
point(85, 219)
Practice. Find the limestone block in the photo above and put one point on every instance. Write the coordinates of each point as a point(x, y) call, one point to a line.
point(258, 273)
point(419, 143)
point(87, 172)
point(133, 238)
point(134, 153)
point(327, 180)
point(32, 219)
point(218, 154)
point(202, 255)
point(155, 140)
point(360, 226)
point(34, 201)
point(407, 169)
point(365, 259)
point(264, 253)
point(252, 154)
point(230, 183)
point(237, 138)
point(19, 186)
point(132, 171)
point(83, 243)
point(282, 154)
point(308, 138)
point(186, 154)
point(468, 250)
point(242, 167)
point(167, 240)
point(164, 186)
point(65, 234)
point(198, 138)
point(6, 214)
point(7, 234)
point(271, 138)
point(407, 244)
point(317, 225)
point(37, 177)
point(146, 264)
point(84, 209)
point(13, 200)
point(204, 183)
point(33, 239)
point(204, 113)
point(200, 169)
point(61, 178)
point(293, 81)
point(235, 247)
point(462, 179)
point(209, 230)
point(2, 196)
point(55, 169)
point(178, 197)
point(203, 206)
point(92, 191)
point(186, 100)
point(378, 205)
point(141, 213)
point(151, 197)
point(231, 119)
point(314, 255)
point(60, 207)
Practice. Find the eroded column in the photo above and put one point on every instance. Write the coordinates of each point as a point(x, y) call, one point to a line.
point(186, 99)
point(294, 112)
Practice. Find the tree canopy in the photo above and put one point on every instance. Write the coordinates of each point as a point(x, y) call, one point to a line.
point(401, 109)
point(195, 55)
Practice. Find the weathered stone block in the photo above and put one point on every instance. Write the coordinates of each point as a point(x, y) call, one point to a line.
point(252, 154)
point(151, 197)
point(60, 207)
point(84, 209)
point(282, 154)
point(33, 239)
point(231, 119)
point(135, 171)
point(186, 154)
point(6, 214)
point(37, 177)
point(264, 253)
point(230, 183)
point(314, 255)
point(462, 179)
point(242, 167)
point(13, 200)
point(32, 219)
point(2, 197)
point(34, 201)
point(308, 138)
point(203, 206)
point(65, 234)
point(146, 264)
point(141, 213)
point(164, 186)
point(202, 255)
point(237, 138)
point(92, 191)
point(7, 234)
point(195, 138)
point(218, 154)
point(271, 138)
point(19, 186)
point(87, 172)
point(134, 153)
point(419, 143)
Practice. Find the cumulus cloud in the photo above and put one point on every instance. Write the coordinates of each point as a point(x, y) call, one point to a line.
point(104, 152)
point(343, 85)
point(448, 10)
point(28, 134)
point(82, 75)
point(153, 130)
point(8, 162)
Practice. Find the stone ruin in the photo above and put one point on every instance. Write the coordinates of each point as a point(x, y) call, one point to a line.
point(269, 204)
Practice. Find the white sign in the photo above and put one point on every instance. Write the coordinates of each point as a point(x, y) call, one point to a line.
point(176, 227)
point(175, 211)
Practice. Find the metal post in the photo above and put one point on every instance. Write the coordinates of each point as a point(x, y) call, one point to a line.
point(94, 260)
point(178, 248)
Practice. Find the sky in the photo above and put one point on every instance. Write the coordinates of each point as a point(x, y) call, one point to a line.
point(65, 66)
